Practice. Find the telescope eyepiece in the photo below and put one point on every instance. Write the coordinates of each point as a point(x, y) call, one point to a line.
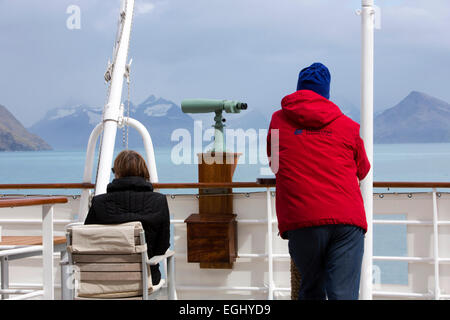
point(241, 106)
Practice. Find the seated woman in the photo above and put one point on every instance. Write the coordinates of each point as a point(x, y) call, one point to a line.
point(130, 197)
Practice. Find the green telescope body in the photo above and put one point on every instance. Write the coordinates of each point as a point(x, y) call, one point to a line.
point(210, 105)
point(216, 106)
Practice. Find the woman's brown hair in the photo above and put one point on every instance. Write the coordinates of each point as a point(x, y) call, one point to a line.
point(129, 163)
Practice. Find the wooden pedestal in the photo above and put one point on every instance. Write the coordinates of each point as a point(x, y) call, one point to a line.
point(212, 240)
point(212, 233)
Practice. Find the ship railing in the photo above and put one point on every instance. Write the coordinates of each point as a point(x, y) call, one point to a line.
point(22, 251)
point(435, 259)
point(269, 186)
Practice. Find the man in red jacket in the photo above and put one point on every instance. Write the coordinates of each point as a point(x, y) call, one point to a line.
point(320, 161)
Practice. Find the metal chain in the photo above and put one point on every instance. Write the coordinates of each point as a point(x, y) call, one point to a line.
point(125, 127)
point(128, 109)
point(123, 134)
point(129, 80)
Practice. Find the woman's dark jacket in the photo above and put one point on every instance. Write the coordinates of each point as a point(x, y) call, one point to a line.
point(132, 199)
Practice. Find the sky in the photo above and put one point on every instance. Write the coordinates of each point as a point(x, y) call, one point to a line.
point(247, 50)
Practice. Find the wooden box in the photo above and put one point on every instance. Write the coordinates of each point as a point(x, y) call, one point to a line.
point(212, 240)
point(216, 168)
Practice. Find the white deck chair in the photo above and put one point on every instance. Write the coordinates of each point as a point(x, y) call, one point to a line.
point(111, 262)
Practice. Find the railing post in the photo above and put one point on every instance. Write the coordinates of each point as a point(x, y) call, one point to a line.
point(367, 72)
point(47, 251)
point(5, 276)
point(172, 293)
point(269, 243)
point(437, 291)
point(65, 276)
point(88, 167)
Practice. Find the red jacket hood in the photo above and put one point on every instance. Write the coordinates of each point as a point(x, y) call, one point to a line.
point(309, 109)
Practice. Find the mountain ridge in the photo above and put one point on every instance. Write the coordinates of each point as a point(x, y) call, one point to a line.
point(417, 118)
point(15, 137)
point(70, 127)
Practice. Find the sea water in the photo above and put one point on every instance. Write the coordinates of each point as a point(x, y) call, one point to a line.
point(392, 162)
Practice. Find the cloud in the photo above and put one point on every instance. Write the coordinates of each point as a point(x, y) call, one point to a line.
point(144, 7)
point(250, 50)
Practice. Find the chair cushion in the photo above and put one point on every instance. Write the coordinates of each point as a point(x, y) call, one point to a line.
point(106, 239)
point(110, 276)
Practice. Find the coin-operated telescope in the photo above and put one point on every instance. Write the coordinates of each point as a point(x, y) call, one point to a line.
point(215, 206)
point(217, 106)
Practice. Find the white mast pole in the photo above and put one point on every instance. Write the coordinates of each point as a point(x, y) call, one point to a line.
point(111, 110)
point(367, 73)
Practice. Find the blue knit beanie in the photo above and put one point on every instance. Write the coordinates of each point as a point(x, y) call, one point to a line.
point(315, 78)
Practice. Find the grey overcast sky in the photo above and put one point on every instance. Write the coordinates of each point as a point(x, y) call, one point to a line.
point(250, 50)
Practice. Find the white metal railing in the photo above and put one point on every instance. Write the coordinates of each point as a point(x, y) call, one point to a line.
point(434, 259)
point(270, 211)
point(437, 290)
point(271, 289)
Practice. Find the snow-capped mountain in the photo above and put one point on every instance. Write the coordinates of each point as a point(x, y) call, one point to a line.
point(70, 127)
